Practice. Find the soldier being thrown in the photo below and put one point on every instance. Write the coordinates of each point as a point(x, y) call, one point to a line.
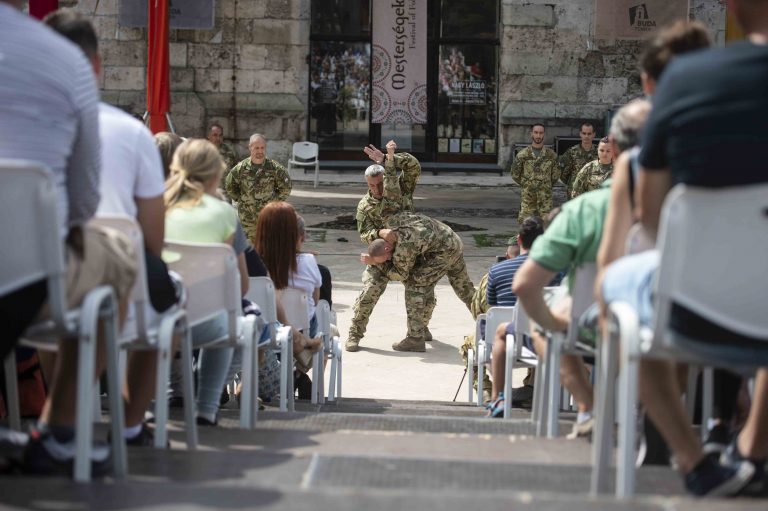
point(535, 170)
point(421, 250)
point(255, 182)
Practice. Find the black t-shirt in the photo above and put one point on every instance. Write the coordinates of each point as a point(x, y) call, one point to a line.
point(709, 122)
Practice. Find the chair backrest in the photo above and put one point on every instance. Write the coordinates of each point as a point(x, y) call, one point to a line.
point(714, 257)
point(582, 296)
point(31, 248)
point(493, 318)
point(307, 151)
point(323, 314)
point(262, 291)
point(140, 292)
point(294, 302)
point(210, 274)
point(522, 326)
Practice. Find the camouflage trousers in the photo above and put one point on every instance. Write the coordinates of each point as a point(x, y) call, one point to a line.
point(534, 202)
point(416, 301)
point(469, 343)
point(375, 280)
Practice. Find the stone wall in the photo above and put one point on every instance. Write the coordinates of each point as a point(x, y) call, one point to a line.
point(250, 72)
point(553, 71)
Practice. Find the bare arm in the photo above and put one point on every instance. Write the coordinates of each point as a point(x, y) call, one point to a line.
point(528, 285)
point(619, 217)
point(316, 295)
point(652, 188)
point(150, 213)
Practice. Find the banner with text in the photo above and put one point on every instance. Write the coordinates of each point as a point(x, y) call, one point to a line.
point(399, 62)
point(636, 19)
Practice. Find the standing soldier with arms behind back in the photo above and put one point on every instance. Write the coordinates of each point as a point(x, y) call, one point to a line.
point(373, 211)
point(574, 159)
point(228, 154)
point(255, 182)
point(535, 169)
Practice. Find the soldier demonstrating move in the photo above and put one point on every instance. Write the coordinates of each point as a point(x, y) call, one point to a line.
point(592, 175)
point(574, 159)
point(373, 210)
point(421, 250)
point(228, 154)
point(255, 182)
point(536, 171)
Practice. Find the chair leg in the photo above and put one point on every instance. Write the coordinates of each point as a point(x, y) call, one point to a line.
point(164, 356)
point(316, 363)
point(553, 400)
point(628, 390)
point(542, 410)
point(332, 378)
point(481, 357)
point(707, 399)
point(339, 354)
point(509, 365)
point(116, 410)
point(317, 172)
point(470, 373)
point(12, 391)
point(188, 387)
point(605, 398)
point(246, 386)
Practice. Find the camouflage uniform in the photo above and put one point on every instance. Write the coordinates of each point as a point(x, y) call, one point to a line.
point(229, 155)
point(400, 179)
point(252, 186)
point(425, 251)
point(479, 306)
point(572, 161)
point(590, 177)
point(536, 177)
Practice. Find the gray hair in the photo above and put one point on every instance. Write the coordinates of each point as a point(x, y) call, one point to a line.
point(302, 225)
point(374, 170)
point(255, 137)
point(628, 123)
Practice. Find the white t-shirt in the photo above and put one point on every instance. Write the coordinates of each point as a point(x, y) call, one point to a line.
point(131, 165)
point(307, 278)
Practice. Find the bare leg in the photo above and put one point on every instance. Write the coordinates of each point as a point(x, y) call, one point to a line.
point(498, 361)
point(753, 439)
point(573, 375)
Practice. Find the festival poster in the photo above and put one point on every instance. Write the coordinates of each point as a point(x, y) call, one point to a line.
point(399, 62)
point(636, 19)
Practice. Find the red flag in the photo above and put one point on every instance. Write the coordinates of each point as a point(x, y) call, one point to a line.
point(158, 79)
point(40, 8)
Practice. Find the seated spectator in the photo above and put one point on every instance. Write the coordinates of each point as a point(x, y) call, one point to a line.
point(167, 143)
point(194, 214)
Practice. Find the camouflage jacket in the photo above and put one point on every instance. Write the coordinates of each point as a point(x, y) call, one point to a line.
point(400, 178)
point(590, 177)
point(423, 244)
point(229, 155)
point(530, 171)
point(572, 161)
point(252, 186)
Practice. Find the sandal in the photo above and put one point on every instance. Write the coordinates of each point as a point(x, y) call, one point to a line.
point(496, 408)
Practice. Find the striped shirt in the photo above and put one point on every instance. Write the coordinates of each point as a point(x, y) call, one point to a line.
point(500, 281)
point(49, 111)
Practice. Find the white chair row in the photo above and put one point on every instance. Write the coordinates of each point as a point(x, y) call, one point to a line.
point(739, 216)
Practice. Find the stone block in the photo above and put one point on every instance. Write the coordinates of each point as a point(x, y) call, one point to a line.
point(510, 87)
point(574, 14)
point(277, 56)
point(105, 7)
point(131, 34)
point(178, 54)
point(213, 80)
point(252, 56)
point(269, 31)
point(525, 63)
point(548, 88)
point(528, 39)
point(210, 56)
point(517, 110)
point(225, 9)
point(602, 90)
point(279, 9)
point(182, 79)
point(592, 64)
point(269, 102)
point(580, 112)
point(251, 9)
point(564, 64)
point(105, 26)
point(123, 53)
point(528, 15)
point(124, 78)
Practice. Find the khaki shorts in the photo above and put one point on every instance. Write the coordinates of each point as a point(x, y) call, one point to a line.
point(109, 260)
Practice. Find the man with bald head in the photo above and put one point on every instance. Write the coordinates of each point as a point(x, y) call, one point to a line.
point(255, 182)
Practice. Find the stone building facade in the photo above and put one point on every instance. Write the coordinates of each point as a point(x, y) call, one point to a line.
point(251, 71)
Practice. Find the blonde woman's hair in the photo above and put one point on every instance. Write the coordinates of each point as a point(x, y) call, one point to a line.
point(195, 163)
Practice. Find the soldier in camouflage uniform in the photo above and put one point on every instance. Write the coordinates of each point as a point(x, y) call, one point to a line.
point(216, 137)
point(592, 175)
point(535, 169)
point(572, 160)
point(254, 182)
point(401, 172)
point(422, 250)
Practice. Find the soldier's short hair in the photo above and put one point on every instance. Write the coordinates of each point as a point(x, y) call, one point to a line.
point(628, 122)
point(587, 123)
point(374, 170)
point(75, 27)
point(215, 124)
point(377, 248)
point(531, 228)
point(255, 137)
point(537, 124)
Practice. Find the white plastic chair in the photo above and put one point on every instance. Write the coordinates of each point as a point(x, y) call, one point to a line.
point(305, 154)
point(484, 343)
point(32, 251)
point(333, 352)
point(262, 291)
point(212, 278)
point(139, 333)
point(740, 217)
point(517, 355)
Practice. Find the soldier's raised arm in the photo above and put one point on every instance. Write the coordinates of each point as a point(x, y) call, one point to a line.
point(411, 170)
point(283, 183)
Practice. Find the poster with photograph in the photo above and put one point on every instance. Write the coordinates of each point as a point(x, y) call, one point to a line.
point(477, 145)
point(466, 145)
point(455, 145)
point(490, 145)
point(442, 145)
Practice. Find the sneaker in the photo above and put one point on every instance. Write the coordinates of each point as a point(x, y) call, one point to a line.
point(205, 421)
point(427, 335)
point(145, 438)
point(522, 396)
point(583, 428)
point(712, 479)
point(44, 455)
point(717, 440)
point(224, 399)
point(352, 344)
point(758, 483)
point(12, 444)
point(410, 344)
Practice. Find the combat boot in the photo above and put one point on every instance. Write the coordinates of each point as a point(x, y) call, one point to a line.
point(410, 344)
point(427, 335)
point(352, 344)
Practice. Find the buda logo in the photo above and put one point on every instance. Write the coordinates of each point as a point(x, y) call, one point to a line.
point(639, 19)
